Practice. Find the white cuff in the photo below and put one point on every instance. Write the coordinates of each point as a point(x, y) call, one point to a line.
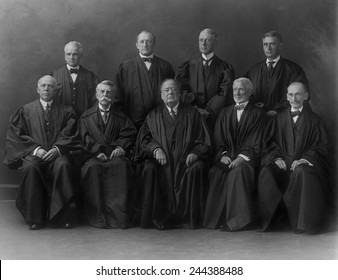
point(244, 157)
point(57, 150)
point(36, 151)
point(309, 163)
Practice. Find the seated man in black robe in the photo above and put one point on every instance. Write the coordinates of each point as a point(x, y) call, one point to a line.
point(107, 135)
point(172, 147)
point(237, 135)
point(139, 79)
point(206, 81)
point(294, 168)
point(39, 137)
point(75, 84)
point(271, 76)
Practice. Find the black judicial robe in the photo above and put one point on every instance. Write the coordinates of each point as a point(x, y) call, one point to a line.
point(230, 201)
point(41, 181)
point(79, 94)
point(175, 188)
point(212, 90)
point(272, 91)
point(139, 88)
point(303, 190)
point(106, 184)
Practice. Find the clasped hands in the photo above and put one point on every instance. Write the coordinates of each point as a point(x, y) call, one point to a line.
point(117, 152)
point(47, 156)
point(232, 163)
point(162, 159)
point(282, 165)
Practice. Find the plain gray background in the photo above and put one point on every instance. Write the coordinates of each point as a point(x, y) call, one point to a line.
point(34, 32)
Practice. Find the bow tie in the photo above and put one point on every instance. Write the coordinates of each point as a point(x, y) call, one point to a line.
point(147, 59)
point(104, 111)
point(295, 113)
point(239, 107)
point(74, 71)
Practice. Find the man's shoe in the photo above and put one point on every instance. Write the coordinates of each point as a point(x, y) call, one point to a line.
point(34, 226)
point(68, 225)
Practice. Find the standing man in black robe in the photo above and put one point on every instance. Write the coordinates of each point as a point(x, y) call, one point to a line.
point(106, 176)
point(238, 132)
point(172, 147)
point(206, 81)
point(39, 137)
point(75, 84)
point(140, 77)
point(271, 76)
point(294, 168)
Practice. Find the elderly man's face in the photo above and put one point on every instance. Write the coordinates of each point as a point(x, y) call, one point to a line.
point(170, 93)
point(104, 94)
point(271, 47)
point(296, 95)
point(145, 44)
point(206, 42)
point(241, 92)
point(46, 88)
point(72, 55)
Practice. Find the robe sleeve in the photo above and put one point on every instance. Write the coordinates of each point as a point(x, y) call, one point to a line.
point(202, 142)
point(127, 136)
point(318, 151)
point(89, 144)
point(18, 142)
point(228, 78)
point(145, 144)
point(252, 146)
point(68, 138)
point(270, 148)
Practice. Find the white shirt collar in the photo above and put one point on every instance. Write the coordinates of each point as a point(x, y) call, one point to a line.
point(44, 103)
point(101, 108)
point(70, 67)
point(208, 56)
point(245, 103)
point(150, 56)
point(175, 108)
point(294, 110)
point(275, 60)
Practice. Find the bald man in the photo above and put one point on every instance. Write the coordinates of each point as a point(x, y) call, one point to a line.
point(206, 81)
point(139, 79)
point(39, 138)
point(107, 135)
point(75, 84)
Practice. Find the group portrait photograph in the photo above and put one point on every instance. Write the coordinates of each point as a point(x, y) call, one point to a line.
point(168, 130)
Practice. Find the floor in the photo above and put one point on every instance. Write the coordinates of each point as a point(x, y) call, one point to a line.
point(87, 243)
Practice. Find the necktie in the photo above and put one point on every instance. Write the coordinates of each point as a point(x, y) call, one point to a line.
point(147, 59)
point(270, 68)
point(172, 114)
point(105, 115)
point(295, 113)
point(239, 107)
point(206, 65)
point(74, 71)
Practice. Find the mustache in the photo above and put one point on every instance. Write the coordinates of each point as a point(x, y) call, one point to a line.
point(105, 98)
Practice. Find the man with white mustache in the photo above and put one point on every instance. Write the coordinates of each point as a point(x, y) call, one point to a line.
point(107, 135)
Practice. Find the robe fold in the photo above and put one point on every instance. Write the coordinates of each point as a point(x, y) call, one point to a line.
point(79, 94)
point(173, 193)
point(106, 184)
point(230, 202)
point(304, 190)
point(271, 91)
point(45, 186)
point(139, 88)
point(212, 90)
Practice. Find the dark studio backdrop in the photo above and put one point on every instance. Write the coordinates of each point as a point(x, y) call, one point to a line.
point(33, 34)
